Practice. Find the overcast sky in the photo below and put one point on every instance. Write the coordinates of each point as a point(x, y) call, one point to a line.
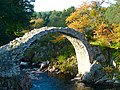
point(50, 5)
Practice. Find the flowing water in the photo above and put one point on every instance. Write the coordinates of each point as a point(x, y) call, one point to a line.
point(44, 81)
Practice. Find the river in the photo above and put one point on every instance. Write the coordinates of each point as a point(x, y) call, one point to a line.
point(45, 81)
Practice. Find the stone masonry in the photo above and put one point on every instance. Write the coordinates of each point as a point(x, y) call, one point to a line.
point(11, 53)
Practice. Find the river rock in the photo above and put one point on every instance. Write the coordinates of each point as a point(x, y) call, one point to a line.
point(110, 81)
point(36, 64)
point(103, 79)
point(76, 79)
point(24, 65)
point(81, 86)
point(51, 68)
point(117, 82)
point(24, 60)
point(95, 73)
point(44, 64)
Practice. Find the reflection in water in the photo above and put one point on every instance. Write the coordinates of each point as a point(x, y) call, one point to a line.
point(43, 81)
point(81, 86)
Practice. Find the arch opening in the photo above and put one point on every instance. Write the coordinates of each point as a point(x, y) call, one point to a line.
point(57, 49)
point(81, 52)
point(17, 47)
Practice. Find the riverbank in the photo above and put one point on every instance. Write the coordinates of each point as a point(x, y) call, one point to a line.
point(71, 83)
point(50, 81)
point(54, 70)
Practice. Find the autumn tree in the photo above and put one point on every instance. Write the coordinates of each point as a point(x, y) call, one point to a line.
point(99, 25)
point(110, 32)
point(86, 19)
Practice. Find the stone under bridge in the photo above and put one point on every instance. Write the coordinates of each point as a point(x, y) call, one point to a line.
point(11, 53)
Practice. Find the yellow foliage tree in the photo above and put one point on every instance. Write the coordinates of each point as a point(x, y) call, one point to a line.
point(58, 38)
point(79, 19)
point(115, 36)
point(86, 19)
point(38, 23)
point(102, 34)
point(89, 19)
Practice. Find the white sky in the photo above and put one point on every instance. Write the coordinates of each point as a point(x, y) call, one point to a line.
point(50, 5)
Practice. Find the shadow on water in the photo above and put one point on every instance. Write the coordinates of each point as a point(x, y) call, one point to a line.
point(9, 84)
point(46, 81)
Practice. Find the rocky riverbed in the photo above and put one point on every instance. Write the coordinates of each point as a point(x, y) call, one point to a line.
point(33, 79)
point(51, 81)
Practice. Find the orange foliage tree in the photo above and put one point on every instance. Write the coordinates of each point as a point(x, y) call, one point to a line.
point(89, 19)
point(86, 18)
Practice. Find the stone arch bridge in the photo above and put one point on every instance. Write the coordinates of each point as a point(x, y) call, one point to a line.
point(11, 53)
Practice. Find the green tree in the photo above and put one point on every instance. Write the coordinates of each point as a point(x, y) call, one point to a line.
point(57, 18)
point(38, 23)
point(118, 1)
point(54, 18)
point(45, 16)
point(113, 13)
point(64, 15)
point(14, 17)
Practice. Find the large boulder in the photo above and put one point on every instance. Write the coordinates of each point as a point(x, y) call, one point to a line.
point(95, 73)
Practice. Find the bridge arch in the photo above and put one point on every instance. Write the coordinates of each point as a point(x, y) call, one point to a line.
point(11, 53)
